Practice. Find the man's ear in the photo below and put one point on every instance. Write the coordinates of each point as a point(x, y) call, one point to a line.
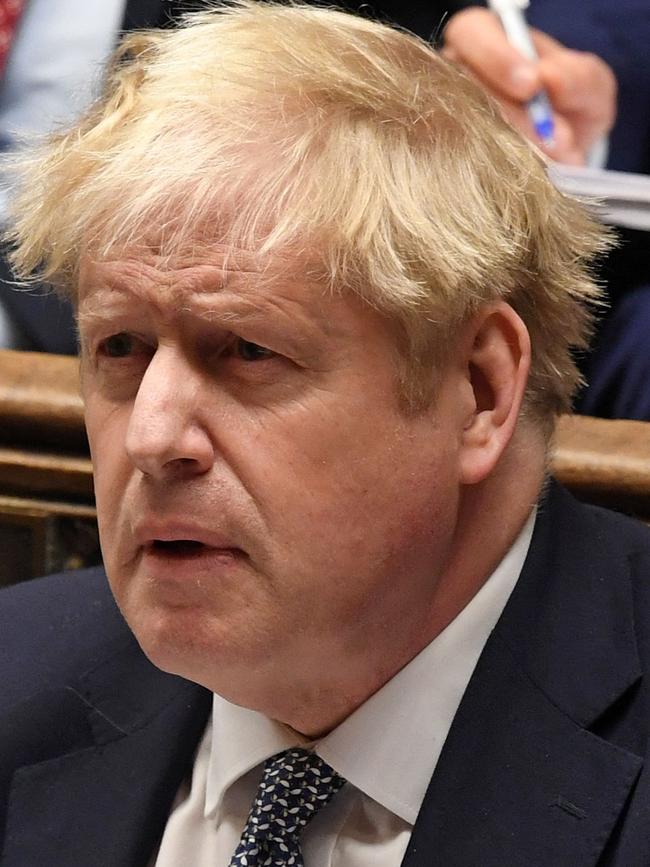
point(497, 361)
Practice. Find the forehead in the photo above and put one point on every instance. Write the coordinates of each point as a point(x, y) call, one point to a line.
point(228, 289)
point(201, 281)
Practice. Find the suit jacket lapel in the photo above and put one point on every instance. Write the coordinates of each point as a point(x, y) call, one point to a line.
point(118, 746)
point(522, 780)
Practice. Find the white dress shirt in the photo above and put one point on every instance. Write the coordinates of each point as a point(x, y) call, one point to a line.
point(387, 750)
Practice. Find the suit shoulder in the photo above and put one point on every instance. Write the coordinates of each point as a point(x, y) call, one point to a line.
point(63, 601)
point(54, 627)
point(611, 541)
point(571, 520)
point(629, 531)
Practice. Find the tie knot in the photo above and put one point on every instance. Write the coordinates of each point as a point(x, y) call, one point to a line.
point(295, 785)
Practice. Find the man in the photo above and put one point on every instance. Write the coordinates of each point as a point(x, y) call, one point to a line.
point(327, 299)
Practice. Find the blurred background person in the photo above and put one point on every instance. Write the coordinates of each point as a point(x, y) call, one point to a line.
point(52, 55)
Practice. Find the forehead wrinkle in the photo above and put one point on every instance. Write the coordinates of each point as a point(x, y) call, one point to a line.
point(255, 305)
point(212, 290)
point(197, 274)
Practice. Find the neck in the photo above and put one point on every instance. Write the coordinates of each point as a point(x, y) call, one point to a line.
point(491, 516)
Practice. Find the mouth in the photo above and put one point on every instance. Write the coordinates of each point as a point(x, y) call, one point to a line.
point(184, 548)
point(177, 546)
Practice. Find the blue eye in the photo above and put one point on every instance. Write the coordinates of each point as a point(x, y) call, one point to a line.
point(248, 351)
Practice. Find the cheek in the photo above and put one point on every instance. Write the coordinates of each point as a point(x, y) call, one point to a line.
point(360, 492)
point(106, 426)
point(106, 436)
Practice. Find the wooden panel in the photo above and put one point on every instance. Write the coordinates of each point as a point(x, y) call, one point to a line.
point(42, 536)
point(40, 400)
point(47, 515)
point(605, 461)
point(29, 471)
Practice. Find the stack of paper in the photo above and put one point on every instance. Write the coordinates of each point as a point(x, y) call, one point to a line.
point(619, 198)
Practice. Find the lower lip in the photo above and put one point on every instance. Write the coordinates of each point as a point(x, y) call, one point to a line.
point(175, 563)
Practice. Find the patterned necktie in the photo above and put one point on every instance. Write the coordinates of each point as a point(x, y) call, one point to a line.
point(295, 786)
point(10, 11)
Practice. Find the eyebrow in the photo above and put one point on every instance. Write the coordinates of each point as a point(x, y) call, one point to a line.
point(222, 308)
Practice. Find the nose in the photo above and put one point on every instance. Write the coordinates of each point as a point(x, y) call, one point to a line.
point(165, 435)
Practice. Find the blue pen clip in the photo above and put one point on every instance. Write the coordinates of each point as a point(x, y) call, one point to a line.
point(541, 115)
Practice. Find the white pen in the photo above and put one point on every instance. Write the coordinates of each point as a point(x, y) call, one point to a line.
point(511, 14)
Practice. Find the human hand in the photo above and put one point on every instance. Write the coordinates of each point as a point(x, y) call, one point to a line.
point(580, 86)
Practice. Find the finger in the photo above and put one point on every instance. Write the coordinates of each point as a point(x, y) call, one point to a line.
point(565, 147)
point(592, 115)
point(450, 53)
point(577, 82)
point(545, 44)
point(477, 40)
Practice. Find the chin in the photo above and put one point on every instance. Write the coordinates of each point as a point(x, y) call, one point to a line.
point(176, 641)
point(193, 645)
point(210, 641)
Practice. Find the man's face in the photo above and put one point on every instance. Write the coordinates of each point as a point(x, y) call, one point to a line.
point(269, 516)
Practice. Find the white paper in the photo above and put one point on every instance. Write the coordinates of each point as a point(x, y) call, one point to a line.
point(618, 198)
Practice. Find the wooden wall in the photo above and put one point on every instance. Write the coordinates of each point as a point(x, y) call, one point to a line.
point(47, 514)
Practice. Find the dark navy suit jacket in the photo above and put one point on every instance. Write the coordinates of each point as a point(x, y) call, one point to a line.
point(544, 765)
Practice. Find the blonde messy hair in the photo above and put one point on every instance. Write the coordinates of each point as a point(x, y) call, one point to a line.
point(288, 128)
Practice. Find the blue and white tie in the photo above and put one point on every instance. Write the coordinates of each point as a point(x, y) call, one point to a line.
point(296, 784)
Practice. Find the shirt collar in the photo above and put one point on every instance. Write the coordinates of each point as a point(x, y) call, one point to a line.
point(389, 747)
point(241, 739)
